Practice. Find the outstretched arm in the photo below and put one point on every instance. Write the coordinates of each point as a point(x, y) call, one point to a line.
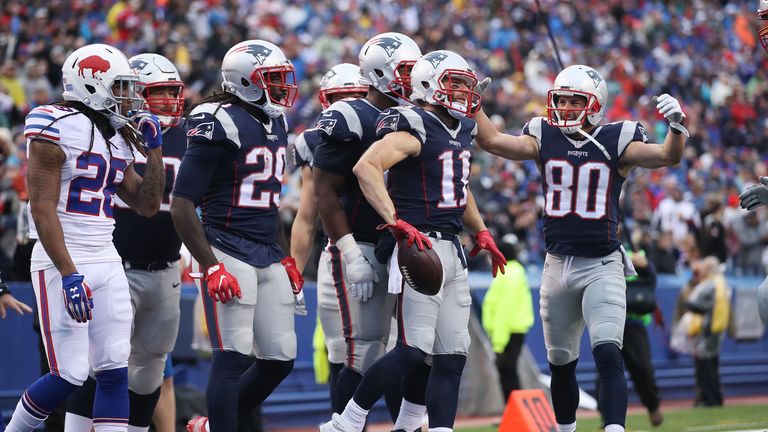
point(512, 147)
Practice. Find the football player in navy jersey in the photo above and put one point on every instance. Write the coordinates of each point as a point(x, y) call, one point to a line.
point(340, 83)
point(232, 169)
point(153, 273)
point(427, 151)
point(584, 165)
point(345, 130)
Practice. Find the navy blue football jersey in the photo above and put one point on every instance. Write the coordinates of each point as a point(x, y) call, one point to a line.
point(581, 185)
point(430, 191)
point(305, 145)
point(148, 240)
point(346, 130)
point(233, 169)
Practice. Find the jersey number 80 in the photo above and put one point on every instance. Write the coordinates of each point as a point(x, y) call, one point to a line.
point(583, 192)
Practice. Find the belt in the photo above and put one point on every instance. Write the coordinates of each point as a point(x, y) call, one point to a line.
point(153, 266)
point(441, 235)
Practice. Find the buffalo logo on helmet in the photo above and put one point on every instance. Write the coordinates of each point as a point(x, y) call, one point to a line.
point(596, 78)
point(388, 122)
point(259, 52)
point(389, 44)
point(95, 63)
point(138, 65)
point(203, 130)
point(435, 58)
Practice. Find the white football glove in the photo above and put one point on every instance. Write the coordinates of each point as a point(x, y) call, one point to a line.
point(300, 304)
point(361, 276)
point(483, 85)
point(670, 108)
point(755, 195)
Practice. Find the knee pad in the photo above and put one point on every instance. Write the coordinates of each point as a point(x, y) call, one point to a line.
point(145, 375)
point(115, 356)
point(560, 357)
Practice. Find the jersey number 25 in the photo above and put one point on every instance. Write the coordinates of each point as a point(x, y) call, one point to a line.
point(273, 166)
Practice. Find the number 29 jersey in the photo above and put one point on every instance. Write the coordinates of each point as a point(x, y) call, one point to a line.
point(90, 177)
point(581, 185)
point(233, 169)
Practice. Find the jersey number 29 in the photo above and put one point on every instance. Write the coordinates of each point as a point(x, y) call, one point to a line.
point(274, 165)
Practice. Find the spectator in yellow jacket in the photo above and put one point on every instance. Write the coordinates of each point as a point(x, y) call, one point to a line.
point(508, 314)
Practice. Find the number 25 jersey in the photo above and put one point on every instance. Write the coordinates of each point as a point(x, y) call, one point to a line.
point(581, 183)
point(90, 176)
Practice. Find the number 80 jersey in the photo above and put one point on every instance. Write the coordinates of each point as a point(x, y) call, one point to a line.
point(90, 177)
point(582, 186)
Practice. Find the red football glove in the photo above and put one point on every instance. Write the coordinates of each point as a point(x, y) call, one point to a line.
point(484, 240)
point(297, 282)
point(222, 286)
point(402, 229)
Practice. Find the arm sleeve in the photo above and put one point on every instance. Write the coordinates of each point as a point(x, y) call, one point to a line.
point(40, 125)
point(336, 140)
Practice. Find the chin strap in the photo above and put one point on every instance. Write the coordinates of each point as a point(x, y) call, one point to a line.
point(597, 143)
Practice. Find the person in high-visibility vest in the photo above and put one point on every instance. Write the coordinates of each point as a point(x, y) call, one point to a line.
point(508, 314)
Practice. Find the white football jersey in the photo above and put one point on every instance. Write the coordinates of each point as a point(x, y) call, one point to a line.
point(89, 180)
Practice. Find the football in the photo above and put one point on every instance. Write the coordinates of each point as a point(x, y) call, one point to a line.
point(421, 270)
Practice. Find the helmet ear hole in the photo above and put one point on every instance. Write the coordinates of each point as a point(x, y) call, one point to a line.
point(91, 89)
point(244, 82)
point(425, 84)
point(379, 73)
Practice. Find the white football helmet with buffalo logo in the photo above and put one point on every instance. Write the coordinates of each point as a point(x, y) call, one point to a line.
point(90, 75)
point(762, 15)
point(248, 69)
point(156, 71)
point(342, 78)
point(437, 79)
point(577, 80)
point(385, 64)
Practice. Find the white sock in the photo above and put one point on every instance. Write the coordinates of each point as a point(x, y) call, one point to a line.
point(110, 428)
point(566, 428)
point(353, 415)
point(22, 420)
point(77, 423)
point(410, 416)
point(614, 428)
point(440, 429)
point(137, 429)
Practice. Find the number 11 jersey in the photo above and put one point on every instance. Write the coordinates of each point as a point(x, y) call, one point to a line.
point(582, 183)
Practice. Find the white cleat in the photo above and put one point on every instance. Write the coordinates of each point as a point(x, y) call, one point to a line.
point(336, 425)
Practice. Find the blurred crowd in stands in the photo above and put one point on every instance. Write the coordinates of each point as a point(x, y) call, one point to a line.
point(704, 52)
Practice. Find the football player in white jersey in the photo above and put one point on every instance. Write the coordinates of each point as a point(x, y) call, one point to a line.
point(80, 154)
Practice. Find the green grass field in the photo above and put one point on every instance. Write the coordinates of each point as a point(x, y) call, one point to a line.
point(734, 418)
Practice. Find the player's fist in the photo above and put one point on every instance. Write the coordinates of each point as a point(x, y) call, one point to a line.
point(297, 281)
point(402, 229)
point(149, 126)
point(222, 286)
point(755, 195)
point(484, 241)
point(77, 297)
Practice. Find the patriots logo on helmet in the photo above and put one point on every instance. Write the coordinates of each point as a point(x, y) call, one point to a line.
point(259, 52)
point(203, 130)
point(435, 58)
point(596, 78)
point(389, 44)
point(388, 122)
point(138, 65)
point(326, 125)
